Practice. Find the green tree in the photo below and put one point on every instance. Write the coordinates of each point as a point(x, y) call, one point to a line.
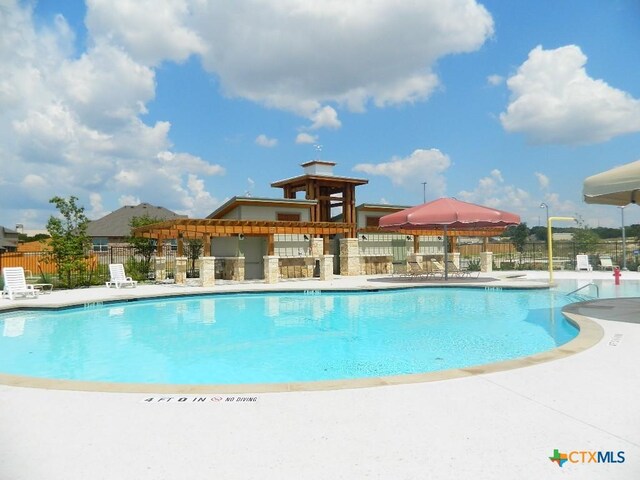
point(69, 246)
point(143, 247)
point(194, 250)
point(585, 240)
point(519, 238)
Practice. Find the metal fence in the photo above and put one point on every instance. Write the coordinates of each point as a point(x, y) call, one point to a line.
point(535, 257)
point(39, 269)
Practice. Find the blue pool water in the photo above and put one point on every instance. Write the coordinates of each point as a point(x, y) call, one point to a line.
point(265, 338)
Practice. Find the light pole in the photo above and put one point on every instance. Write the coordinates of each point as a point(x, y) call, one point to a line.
point(545, 206)
point(624, 241)
point(424, 192)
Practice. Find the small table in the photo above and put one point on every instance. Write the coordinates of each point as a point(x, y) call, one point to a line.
point(43, 287)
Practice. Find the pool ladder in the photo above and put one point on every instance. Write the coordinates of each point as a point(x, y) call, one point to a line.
point(585, 286)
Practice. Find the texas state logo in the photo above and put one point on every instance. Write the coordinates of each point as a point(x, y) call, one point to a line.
point(558, 457)
point(586, 456)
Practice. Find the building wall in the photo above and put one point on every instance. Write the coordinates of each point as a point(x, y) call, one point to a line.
point(256, 212)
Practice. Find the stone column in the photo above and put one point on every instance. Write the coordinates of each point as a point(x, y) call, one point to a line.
point(181, 270)
point(486, 261)
point(208, 271)
point(161, 269)
point(455, 258)
point(271, 269)
point(326, 267)
point(349, 257)
point(316, 248)
point(238, 269)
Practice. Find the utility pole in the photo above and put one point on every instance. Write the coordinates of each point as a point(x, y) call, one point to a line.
point(424, 192)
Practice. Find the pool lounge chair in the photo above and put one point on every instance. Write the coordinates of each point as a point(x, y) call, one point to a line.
point(582, 263)
point(118, 277)
point(436, 267)
point(15, 283)
point(606, 263)
point(461, 272)
point(415, 270)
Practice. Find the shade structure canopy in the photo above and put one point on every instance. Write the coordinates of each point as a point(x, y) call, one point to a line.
point(448, 213)
point(618, 186)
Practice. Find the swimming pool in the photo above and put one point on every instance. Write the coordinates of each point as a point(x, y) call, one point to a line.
point(284, 337)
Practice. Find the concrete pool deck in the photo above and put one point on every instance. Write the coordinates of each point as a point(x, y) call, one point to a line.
point(494, 425)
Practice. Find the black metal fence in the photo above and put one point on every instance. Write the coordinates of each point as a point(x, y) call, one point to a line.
point(534, 256)
point(39, 269)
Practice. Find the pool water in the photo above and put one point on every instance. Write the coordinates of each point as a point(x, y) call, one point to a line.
point(284, 337)
point(602, 289)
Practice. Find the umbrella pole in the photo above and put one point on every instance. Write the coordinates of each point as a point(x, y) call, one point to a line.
point(446, 255)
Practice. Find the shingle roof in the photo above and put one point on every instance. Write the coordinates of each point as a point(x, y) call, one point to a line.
point(117, 223)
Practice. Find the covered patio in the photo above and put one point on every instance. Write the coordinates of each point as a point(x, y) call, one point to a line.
point(317, 233)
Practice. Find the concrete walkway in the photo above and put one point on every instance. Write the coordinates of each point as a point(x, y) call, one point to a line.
point(502, 425)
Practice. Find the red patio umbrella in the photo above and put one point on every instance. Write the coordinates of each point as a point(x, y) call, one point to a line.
point(447, 213)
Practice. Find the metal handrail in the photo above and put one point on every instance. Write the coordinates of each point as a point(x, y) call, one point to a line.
point(585, 286)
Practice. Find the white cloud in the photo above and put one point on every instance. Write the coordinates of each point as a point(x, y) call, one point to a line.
point(75, 120)
point(265, 141)
point(325, 117)
point(97, 209)
point(300, 56)
point(421, 165)
point(306, 138)
point(492, 192)
point(125, 200)
point(543, 180)
point(553, 100)
point(150, 30)
point(495, 80)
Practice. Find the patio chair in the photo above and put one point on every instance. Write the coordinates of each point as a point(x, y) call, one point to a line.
point(118, 277)
point(606, 263)
point(461, 272)
point(582, 263)
point(436, 267)
point(415, 270)
point(15, 283)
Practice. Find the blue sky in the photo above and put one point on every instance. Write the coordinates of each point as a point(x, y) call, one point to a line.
point(186, 103)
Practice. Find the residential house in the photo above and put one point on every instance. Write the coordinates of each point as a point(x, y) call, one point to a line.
point(8, 239)
point(114, 229)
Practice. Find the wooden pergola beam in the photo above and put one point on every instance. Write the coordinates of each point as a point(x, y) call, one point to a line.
point(199, 228)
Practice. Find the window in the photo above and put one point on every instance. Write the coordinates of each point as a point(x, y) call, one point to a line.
point(288, 217)
point(100, 244)
point(372, 221)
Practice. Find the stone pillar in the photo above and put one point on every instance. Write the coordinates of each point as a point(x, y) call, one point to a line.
point(161, 269)
point(316, 248)
point(208, 271)
point(455, 258)
point(238, 269)
point(181, 270)
point(326, 267)
point(271, 269)
point(486, 261)
point(349, 257)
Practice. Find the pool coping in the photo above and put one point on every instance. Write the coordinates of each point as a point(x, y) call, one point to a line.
point(590, 333)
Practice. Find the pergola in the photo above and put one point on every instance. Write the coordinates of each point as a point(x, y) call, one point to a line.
point(205, 229)
point(453, 234)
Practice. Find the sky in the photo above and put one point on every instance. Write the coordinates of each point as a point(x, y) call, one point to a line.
point(187, 103)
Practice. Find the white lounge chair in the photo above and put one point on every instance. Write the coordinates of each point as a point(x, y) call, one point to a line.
point(582, 263)
point(606, 263)
point(15, 283)
point(118, 277)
